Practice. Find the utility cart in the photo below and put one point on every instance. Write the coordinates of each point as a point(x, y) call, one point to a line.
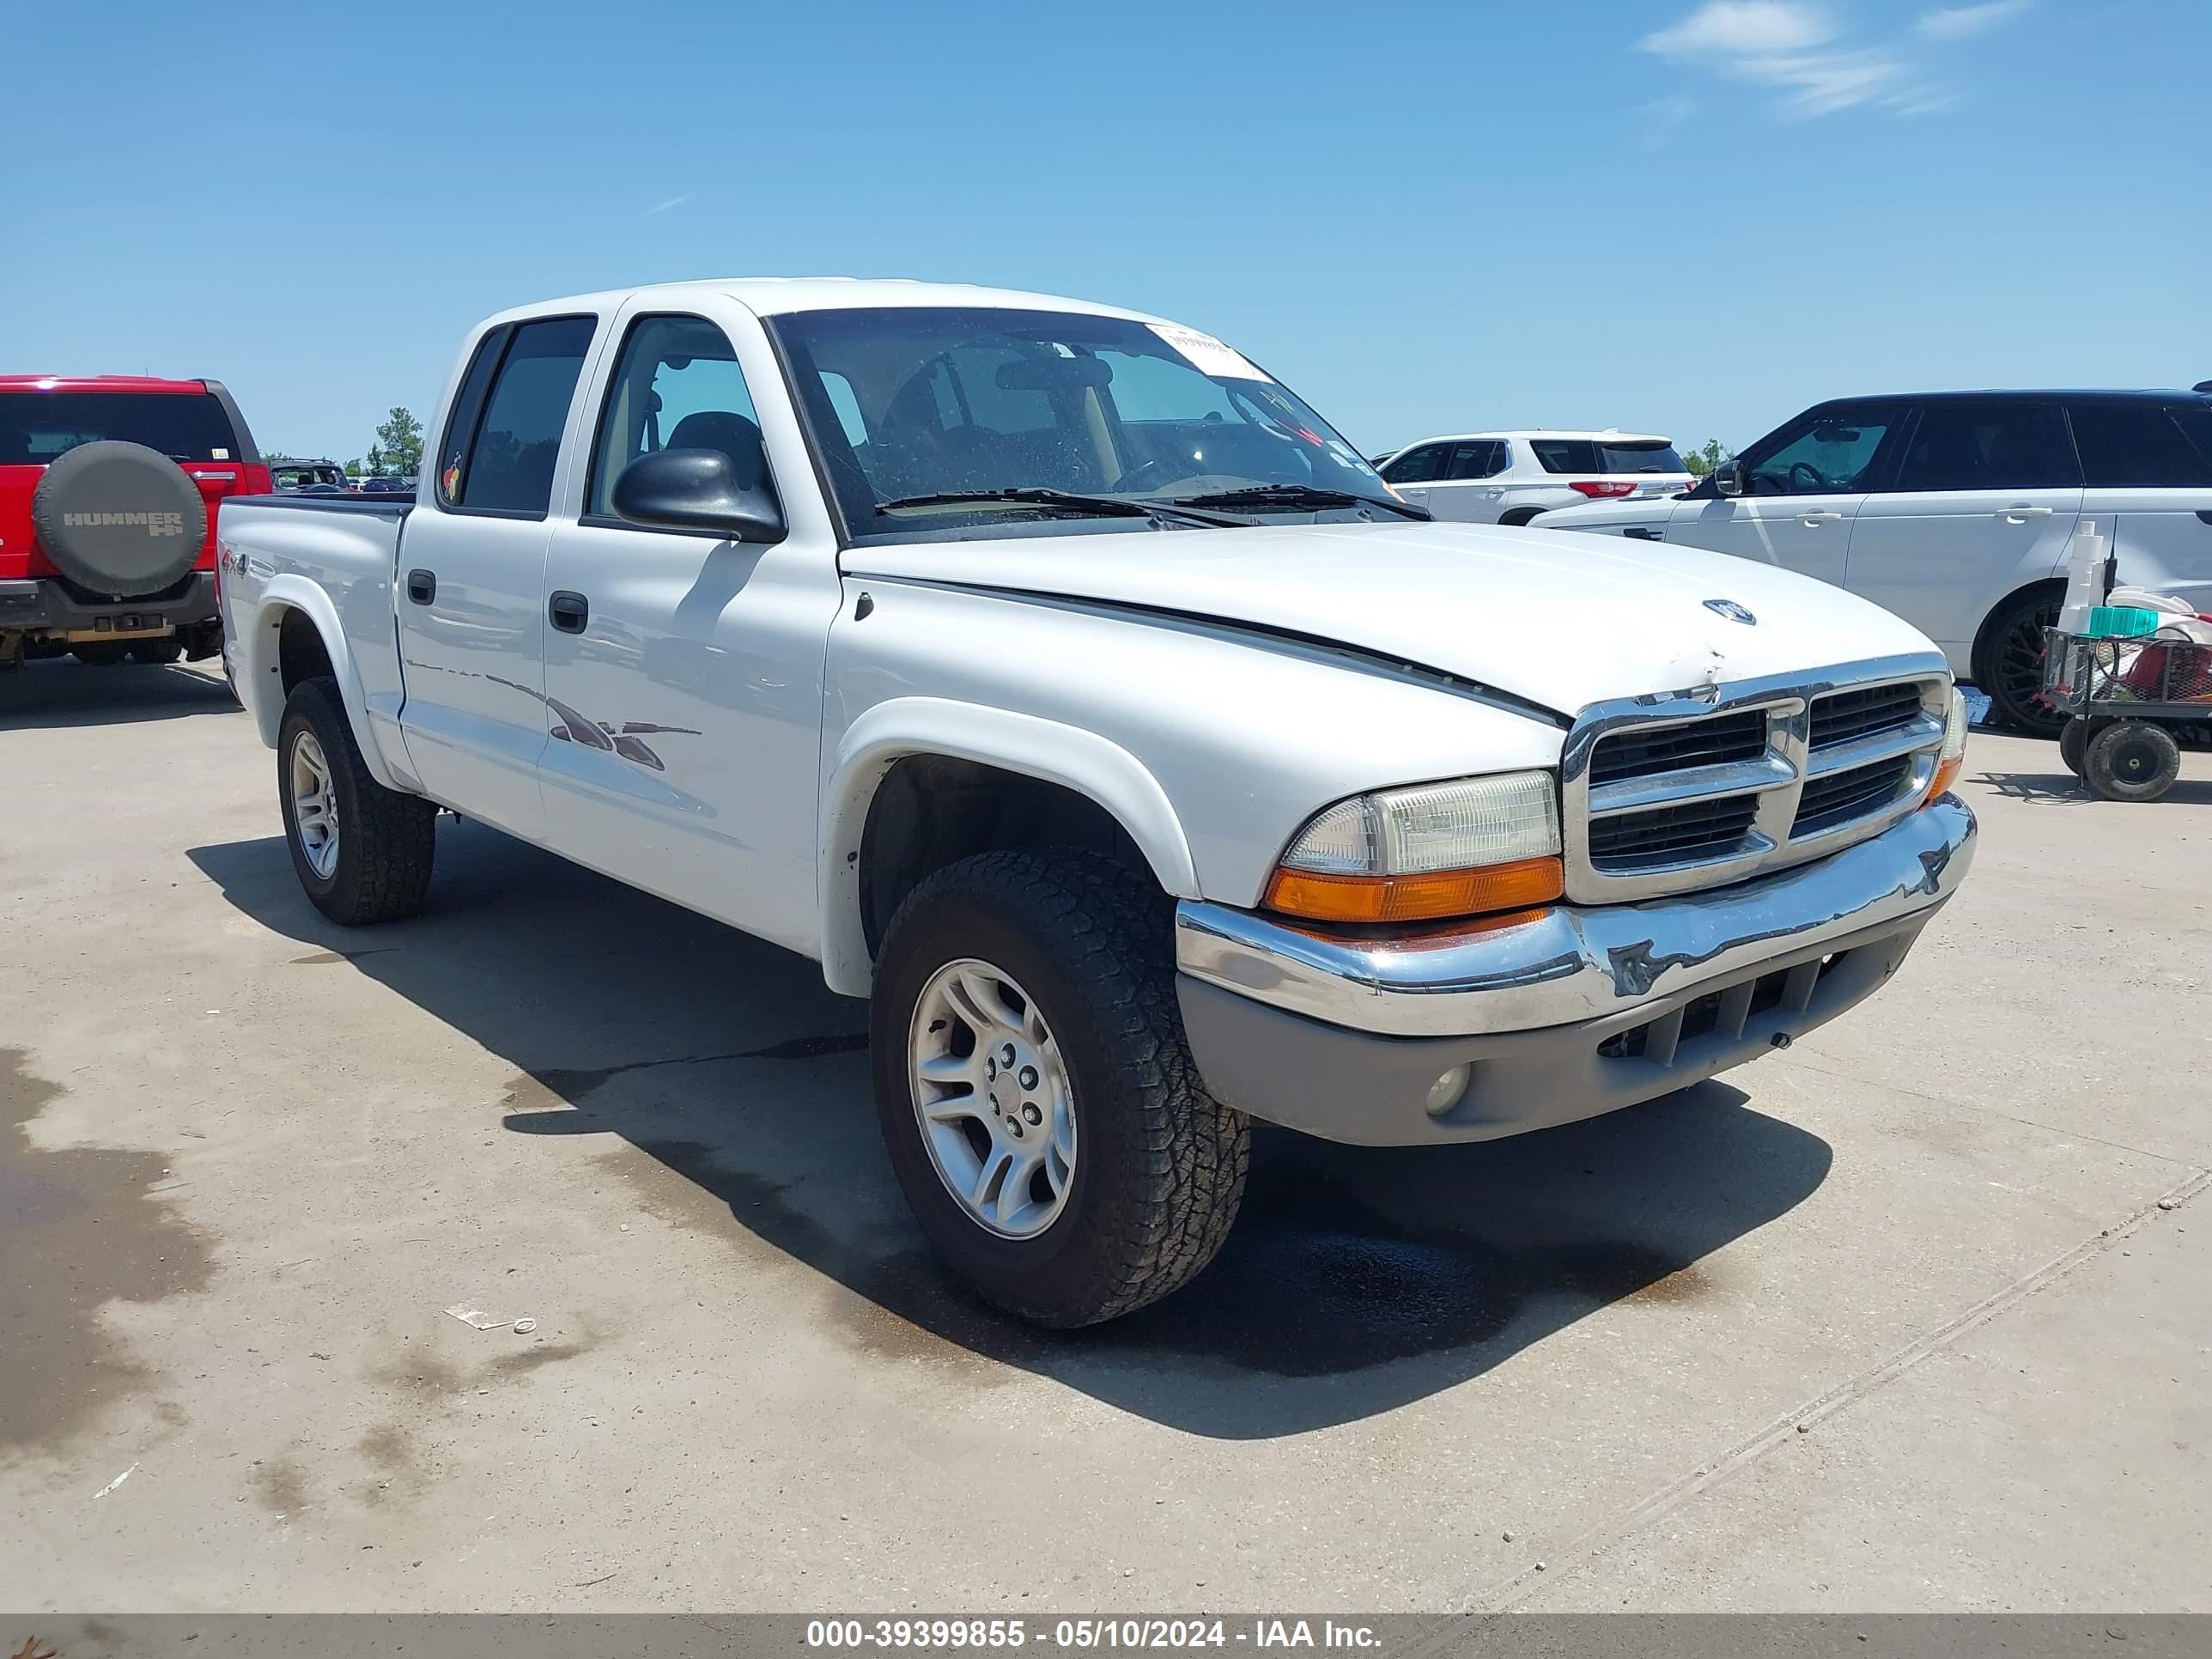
point(2126, 698)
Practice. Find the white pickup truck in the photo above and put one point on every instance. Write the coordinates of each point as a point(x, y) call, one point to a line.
point(1053, 676)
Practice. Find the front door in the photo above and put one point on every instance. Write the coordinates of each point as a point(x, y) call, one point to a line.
point(1983, 502)
point(1802, 488)
point(472, 573)
point(1459, 494)
point(1413, 474)
point(683, 690)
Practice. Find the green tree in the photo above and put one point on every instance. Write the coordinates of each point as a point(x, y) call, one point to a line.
point(1702, 461)
point(353, 469)
point(399, 445)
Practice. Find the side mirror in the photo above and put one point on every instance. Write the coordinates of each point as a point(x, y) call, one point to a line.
point(697, 490)
point(1728, 478)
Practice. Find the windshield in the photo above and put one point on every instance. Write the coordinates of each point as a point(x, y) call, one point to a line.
point(922, 402)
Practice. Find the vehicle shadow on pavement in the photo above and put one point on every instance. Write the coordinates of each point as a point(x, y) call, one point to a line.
point(1355, 1280)
point(59, 693)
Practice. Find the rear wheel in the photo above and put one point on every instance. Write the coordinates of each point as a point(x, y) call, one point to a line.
point(156, 651)
point(2008, 664)
point(363, 851)
point(1518, 516)
point(2132, 760)
point(1037, 1098)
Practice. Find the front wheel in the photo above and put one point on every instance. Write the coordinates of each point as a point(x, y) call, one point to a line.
point(361, 852)
point(1038, 1096)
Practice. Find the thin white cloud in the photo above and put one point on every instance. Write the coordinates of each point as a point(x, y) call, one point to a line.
point(1957, 23)
point(1662, 116)
point(1753, 26)
point(663, 207)
point(1801, 50)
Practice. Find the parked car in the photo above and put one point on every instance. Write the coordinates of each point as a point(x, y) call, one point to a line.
point(1509, 477)
point(1954, 510)
point(1059, 680)
point(385, 485)
point(109, 491)
point(290, 475)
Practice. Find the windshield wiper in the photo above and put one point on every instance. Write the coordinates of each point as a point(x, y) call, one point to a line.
point(1297, 496)
point(1059, 500)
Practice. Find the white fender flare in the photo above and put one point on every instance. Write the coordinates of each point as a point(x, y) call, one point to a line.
point(263, 689)
point(1082, 761)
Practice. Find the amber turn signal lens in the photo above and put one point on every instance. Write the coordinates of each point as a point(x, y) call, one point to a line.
point(1429, 897)
point(1946, 774)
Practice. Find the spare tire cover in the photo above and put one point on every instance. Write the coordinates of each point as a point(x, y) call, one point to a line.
point(120, 519)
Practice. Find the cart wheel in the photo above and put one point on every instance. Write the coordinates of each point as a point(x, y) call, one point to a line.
point(2132, 760)
point(2074, 743)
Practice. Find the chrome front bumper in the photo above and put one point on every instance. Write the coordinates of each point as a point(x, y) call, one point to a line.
point(1576, 1012)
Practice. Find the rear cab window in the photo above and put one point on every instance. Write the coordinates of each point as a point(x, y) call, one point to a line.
point(39, 427)
point(503, 438)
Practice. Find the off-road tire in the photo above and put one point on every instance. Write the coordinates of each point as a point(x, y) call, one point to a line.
point(1160, 1165)
point(386, 840)
point(2003, 667)
point(2132, 760)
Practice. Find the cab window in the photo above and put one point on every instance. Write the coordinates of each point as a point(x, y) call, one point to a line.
point(677, 386)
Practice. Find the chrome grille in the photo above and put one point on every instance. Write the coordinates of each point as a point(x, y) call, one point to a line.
point(1664, 795)
point(1841, 797)
point(1669, 748)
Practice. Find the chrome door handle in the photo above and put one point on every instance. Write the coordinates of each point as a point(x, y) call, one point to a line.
point(2022, 514)
point(1813, 518)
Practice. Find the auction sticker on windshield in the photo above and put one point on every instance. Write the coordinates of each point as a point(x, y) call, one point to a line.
point(1206, 354)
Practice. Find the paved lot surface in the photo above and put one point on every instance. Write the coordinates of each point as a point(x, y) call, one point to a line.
point(1894, 1320)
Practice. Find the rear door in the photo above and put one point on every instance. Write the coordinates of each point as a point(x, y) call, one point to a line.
point(2148, 467)
point(473, 572)
point(1803, 486)
point(1983, 502)
point(1459, 492)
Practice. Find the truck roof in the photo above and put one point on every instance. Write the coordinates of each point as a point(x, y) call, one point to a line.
point(770, 295)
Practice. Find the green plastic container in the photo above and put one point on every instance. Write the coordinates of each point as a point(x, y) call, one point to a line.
point(2122, 621)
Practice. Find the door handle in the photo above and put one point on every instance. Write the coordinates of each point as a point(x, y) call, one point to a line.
point(422, 586)
point(2022, 514)
point(1817, 517)
point(569, 613)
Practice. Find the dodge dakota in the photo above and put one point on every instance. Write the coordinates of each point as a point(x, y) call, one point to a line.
point(1054, 676)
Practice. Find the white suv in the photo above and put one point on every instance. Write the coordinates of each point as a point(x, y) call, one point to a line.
point(1509, 477)
point(1954, 510)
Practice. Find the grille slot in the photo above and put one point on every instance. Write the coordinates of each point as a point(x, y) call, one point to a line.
point(1726, 1012)
point(1843, 716)
point(1678, 747)
point(1836, 800)
point(1697, 829)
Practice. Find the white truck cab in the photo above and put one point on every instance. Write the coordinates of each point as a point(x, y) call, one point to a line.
point(1054, 676)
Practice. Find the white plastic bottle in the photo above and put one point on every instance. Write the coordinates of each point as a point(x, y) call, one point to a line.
point(2088, 576)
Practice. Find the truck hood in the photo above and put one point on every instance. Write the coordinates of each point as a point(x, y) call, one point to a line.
point(1559, 619)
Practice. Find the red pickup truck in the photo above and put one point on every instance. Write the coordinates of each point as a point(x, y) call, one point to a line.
point(109, 487)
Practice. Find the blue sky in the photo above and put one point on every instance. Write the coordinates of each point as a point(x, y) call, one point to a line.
point(1695, 219)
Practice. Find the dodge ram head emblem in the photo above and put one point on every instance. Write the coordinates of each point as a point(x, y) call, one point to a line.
point(1732, 610)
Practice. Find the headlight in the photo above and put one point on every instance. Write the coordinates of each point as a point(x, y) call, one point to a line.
point(1953, 759)
point(1438, 850)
